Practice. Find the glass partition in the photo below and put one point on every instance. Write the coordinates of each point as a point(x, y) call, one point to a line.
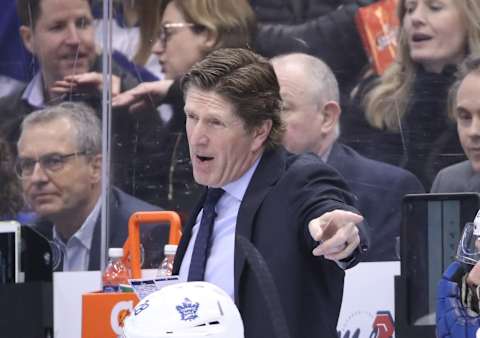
point(399, 119)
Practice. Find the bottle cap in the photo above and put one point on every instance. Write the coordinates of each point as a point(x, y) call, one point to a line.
point(115, 252)
point(170, 249)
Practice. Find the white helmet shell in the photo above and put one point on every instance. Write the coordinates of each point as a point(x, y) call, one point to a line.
point(185, 310)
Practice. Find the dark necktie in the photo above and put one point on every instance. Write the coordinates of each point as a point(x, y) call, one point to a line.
point(201, 248)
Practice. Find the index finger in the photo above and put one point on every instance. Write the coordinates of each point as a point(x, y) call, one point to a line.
point(339, 241)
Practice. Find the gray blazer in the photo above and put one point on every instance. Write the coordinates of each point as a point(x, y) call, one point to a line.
point(458, 177)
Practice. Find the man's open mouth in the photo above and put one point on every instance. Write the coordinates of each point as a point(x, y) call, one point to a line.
point(204, 158)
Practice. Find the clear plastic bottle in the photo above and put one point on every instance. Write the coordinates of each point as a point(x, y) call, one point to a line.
point(166, 267)
point(116, 272)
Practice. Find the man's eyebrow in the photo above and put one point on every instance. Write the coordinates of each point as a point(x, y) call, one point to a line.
point(55, 153)
point(461, 109)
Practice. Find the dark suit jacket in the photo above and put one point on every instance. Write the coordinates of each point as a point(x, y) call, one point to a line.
point(458, 177)
point(122, 206)
point(379, 188)
point(285, 193)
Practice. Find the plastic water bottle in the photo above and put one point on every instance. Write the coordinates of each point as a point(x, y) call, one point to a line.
point(116, 272)
point(166, 267)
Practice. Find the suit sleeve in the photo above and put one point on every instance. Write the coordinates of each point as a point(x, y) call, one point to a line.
point(437, 183)
point(319, 190)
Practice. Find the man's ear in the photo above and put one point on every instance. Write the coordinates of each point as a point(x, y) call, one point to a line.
point(96, 168)
point(331, 114)
point(26, 34)
point(260, 135)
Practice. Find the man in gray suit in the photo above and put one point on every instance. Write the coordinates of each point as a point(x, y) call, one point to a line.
point(59, 165)
point(464, 105)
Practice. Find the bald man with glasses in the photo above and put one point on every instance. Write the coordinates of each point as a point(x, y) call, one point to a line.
point(59, 165)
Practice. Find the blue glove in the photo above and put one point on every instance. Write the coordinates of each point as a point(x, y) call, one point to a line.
point(453, 321)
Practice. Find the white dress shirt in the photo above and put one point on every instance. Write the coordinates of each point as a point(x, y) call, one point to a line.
point(76, 252)
point(33, 93)
point(219, 266)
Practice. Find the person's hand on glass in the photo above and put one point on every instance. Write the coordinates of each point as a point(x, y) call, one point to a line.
point(143, 96)
point(88, 83)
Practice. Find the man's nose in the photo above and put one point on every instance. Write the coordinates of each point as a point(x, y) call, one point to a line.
point(73, 34)
point(474, 129)
point(198, 134)
point(158, 47)
point(38, 174)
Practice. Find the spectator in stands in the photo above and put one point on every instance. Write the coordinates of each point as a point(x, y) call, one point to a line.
point(406, 121)
point(61, 36)
point(10, 190)
point(464, 106)
point(133, 34)
point(59, 163)
point(311, 112)
point(189, 30)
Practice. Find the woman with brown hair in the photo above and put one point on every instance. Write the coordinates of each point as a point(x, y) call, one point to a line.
point(11, 200)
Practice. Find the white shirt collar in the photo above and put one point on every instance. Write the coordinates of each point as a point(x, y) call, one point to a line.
point(85, 234)
point(33, 94)
point(326, 154)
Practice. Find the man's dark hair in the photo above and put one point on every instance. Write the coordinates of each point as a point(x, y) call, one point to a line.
point(470, 65)
point(247, 81)
point(28, 11)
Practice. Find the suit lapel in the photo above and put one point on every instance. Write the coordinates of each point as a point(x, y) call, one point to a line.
point(114, 231)
point(337, 156)
point(268, 172)
point(94, 260)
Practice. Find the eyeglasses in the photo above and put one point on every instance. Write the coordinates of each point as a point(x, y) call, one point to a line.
point(165, 30)
point(51, 163)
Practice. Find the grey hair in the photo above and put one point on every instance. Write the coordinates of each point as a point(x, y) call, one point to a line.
point(83, 118)
point(319, 75)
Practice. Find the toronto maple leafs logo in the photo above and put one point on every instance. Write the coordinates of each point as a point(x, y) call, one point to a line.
point(188, 310)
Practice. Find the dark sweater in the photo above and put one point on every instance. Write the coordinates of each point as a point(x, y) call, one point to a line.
point(428, 139)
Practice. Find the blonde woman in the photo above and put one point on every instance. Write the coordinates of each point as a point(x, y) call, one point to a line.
point(405, 120)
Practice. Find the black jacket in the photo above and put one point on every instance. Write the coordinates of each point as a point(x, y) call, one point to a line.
point(428, 140)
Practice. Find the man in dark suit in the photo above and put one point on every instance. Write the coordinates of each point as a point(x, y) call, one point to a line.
point(294, 209)
point(59, 164)
point(311, 113)
point(465, 107)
